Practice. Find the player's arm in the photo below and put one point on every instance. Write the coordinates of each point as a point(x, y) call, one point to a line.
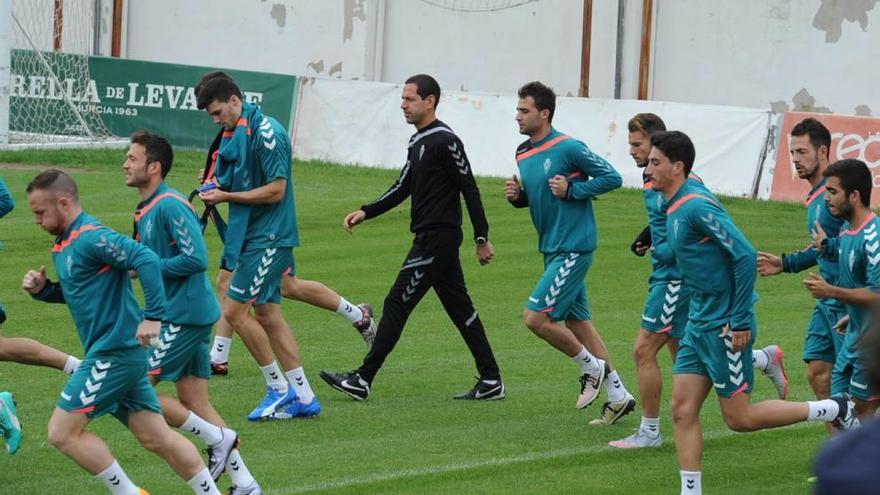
point(515, 193)
point(863, 296)
point(124, 253)
point(7, 203)
point(456, 165)
point(41, 288)
point(395, 195)
point(181, 225)
point(642, 242)
point(800, 260)
point(602, 176)
point(713, 222)
point(270, 193)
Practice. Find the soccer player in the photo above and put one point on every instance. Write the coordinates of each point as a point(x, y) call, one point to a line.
point(25, 351)
point(166, 223)
point(93, 264)
point(437, 173)
point(253, 174)
point(666, 309)
point(848, 192)
point(560, 177)
point(810, 144)
point(720, 266)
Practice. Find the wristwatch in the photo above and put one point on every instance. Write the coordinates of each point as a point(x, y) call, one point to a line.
point(481, 241)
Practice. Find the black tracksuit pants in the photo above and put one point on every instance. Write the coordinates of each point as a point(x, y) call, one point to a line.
point(432, 261)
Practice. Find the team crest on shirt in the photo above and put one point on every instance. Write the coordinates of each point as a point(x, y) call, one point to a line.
point(659, 201)
point(852, 259)
point(547, 164)
point(675, 227)
point(69, 264)
point(148, 229)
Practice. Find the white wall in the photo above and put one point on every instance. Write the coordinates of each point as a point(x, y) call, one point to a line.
point(302, 37)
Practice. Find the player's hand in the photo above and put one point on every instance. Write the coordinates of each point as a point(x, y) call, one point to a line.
point(640, 248)
point(485, 253)
point(558, 186)
point(214, 196)
point(34, 281)
point(512, 189)
point(769, 264)
point(818, 235)
point(353, 219)
point(201, 177)
point(148, 333)
point(818, 287)
point(841, 325)
point(740, 337)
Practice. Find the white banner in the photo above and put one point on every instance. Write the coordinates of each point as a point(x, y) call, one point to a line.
point(360, 123)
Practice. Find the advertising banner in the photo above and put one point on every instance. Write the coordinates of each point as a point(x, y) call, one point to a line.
point(851, 137)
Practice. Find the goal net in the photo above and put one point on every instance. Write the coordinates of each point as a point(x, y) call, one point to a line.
point(51, 93)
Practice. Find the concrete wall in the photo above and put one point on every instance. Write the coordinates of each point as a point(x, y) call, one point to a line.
point(779, 54)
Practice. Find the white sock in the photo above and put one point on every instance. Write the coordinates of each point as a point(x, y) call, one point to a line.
point(71, 365)
point(297, 378)
point(650, 426)
point(349, 311)
point(588, 362)
point(822, 410)
point(209, 433)
point(614, 387)
point(239, 473)
point(691, 484)
point(203, 484)
point(117, 481)
point(274, 377)
point(760, 359)
point(220, 349)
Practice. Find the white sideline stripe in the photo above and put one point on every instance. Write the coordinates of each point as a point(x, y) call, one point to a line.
point(500, 461)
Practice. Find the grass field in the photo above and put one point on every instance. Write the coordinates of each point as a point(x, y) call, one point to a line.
point(410, 437)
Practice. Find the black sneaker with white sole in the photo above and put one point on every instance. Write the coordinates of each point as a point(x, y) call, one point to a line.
point(349, 383)
point(484, 390)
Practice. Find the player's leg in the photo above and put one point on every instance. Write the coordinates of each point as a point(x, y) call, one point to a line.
point(286, 349)
point(154, 435)
point(645, 350)
point(224, 331)
point(29, 351)
point(689, 391)
point(318, 294)
point(453, 294)
point(67, 433)
point(620, 402)
point(412, 283)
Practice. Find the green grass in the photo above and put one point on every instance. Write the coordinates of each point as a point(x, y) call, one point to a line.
point(410, 437)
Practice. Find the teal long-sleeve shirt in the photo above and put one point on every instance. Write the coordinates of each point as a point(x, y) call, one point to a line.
point(564, 225)
point(93, 263)
point(859, 267)
point(6, 201)
point(715, 259)
point(167, 223)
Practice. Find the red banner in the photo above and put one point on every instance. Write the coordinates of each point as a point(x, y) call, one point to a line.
point(851, 137)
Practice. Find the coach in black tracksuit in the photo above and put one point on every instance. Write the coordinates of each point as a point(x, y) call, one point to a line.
point(436, 173)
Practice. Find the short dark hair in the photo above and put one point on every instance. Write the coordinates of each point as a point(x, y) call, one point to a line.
point(216, 85)
point(56, 181)
point(677, 146)
point(647, 123)
point(157, 149)
point(819, 134)
point(545, 98)
point(426, 86)
point(854, 175)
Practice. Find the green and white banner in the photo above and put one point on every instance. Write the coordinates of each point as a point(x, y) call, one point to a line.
point(128, 95)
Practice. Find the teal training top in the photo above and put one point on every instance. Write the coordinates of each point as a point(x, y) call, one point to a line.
point(564, 225)
point(715, 260)
point(93, 264)
point(817, 210)
point(167, 223)
point(272, 225)
point(859, 267)
point(6, 201)
point(663, 265)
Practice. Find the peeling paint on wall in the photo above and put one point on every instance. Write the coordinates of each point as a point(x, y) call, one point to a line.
point(802, 101)
point(335, 69)
point(317, 66)
point(354, 9)
point(279, 13)
point(863, 110)
point(779, 106)
point(831, 14)
point(780, 9)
